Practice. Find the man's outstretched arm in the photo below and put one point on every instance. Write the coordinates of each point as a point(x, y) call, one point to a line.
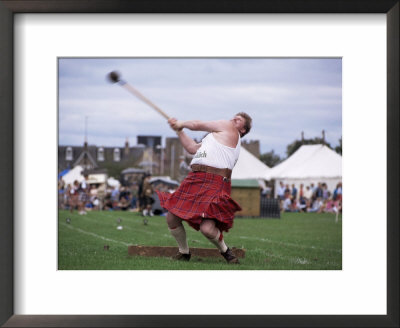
point(197, 125)
point(188, 143)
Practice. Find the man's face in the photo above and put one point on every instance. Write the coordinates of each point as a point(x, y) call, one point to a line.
point(239, 123)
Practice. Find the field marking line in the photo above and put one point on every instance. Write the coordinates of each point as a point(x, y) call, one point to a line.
point(289, 244)
point(95, 235)
point(132, 218)
point(105, 238)
point(294, 260)
point(139, 229)
point(124, 226)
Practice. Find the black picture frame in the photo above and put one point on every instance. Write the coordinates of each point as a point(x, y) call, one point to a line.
point(7, 11)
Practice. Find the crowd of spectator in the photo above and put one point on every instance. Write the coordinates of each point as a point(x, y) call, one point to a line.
point(83, 197)
point(139, 196)
point(312, 198)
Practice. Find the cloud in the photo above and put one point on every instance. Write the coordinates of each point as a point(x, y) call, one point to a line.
point(284, 97)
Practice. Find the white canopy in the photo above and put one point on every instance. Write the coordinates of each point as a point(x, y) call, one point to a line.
point(310, 163)
point(165, 179)
point(112, 182)
point(74, 174)
point(97, 178)
point(249, 167)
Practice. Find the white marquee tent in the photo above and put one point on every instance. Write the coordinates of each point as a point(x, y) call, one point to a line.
point(74, 174)
point(112, 182)
point(249, 166)
point(309, 164)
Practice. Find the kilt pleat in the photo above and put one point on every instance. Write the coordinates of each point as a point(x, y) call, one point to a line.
point(202, 196)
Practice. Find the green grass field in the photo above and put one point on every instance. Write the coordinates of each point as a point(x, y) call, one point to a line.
point(297, 241)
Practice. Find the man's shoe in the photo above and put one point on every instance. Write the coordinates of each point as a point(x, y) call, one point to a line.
point(229, 257)
point(182, 257)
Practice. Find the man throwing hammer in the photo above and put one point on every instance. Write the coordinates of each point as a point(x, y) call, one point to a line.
point(203, 198)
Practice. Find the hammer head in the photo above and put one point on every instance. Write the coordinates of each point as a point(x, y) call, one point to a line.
point(113, 77)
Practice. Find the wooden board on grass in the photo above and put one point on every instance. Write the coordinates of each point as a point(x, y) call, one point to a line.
point(170, 251)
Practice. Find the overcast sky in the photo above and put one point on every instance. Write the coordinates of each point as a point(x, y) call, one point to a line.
point(283, 96)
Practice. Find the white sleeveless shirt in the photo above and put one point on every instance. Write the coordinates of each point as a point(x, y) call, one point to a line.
point(215, 154)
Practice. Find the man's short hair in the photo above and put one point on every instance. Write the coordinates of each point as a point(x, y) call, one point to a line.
point(247, 124)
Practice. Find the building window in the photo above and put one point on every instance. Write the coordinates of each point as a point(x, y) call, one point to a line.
point(68, 154)
point(100, 154)
point(117, 155)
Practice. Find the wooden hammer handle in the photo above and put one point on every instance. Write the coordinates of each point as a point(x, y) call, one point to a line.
point(143, 98)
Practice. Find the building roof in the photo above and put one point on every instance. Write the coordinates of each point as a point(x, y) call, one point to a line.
point(132, 170)
point(133, 157)
point(245, 183)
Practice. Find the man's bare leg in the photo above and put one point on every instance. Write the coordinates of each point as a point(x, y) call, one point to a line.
point(209, 230)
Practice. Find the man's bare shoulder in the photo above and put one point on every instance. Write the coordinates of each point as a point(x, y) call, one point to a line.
point(212, 126)
point(223, 124)
point(209, 126)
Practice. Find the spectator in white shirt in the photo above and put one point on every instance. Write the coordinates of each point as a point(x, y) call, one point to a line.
point(281, 191)
point(308, 193)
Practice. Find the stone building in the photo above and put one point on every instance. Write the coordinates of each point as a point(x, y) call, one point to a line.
point(92, 157)
point(148, 155)
point(174, 153)
point(253, 146)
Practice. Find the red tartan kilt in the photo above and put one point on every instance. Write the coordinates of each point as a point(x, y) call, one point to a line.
point(202, 196)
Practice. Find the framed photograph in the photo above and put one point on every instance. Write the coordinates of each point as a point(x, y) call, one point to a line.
point(49, 42)
point(118, 186)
